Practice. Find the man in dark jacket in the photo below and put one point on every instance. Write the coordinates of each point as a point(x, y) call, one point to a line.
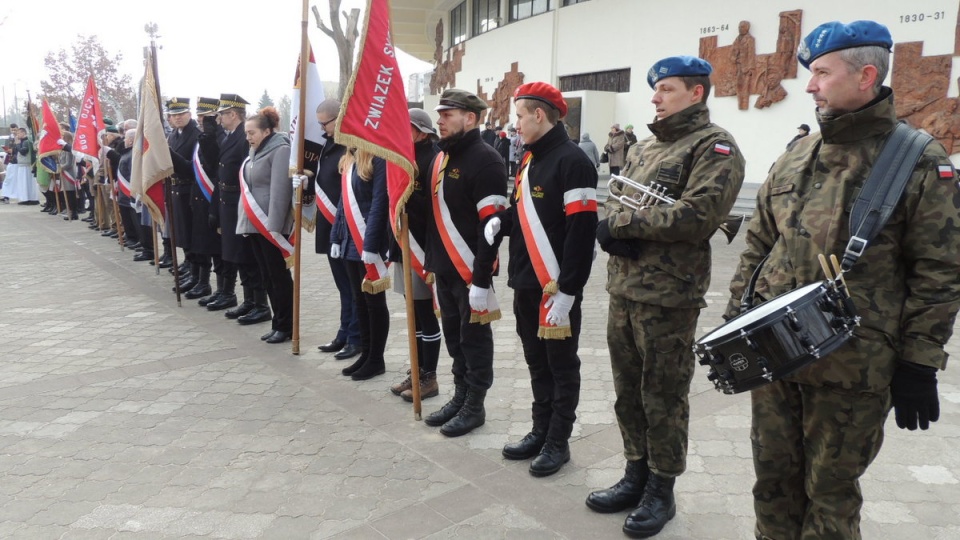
point(477, 189)
point(553, 215)
point(182, 140)
point(205, 240)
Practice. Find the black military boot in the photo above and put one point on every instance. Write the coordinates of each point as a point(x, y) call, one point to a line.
point(202, 288)
point(48, 202)
point(450, 408)
point(624, 494)
point(243, 308)
point(188, 281)
point(527, 447)
point(554, 454)
point(261, 309)
point(656, 508)
point(470, 416)
point(206, 300)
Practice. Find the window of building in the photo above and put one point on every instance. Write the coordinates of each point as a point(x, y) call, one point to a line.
point(572, 2)
point(458, 24)
point(486, 15)
point(617, 80)
point(521, 9)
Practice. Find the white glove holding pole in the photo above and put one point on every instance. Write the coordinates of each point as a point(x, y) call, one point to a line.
point(334, 251)
point(478, 298)
point(559, 305)
point(370, 258)
point(298, 180)
point(491, 229)
point(61, 142)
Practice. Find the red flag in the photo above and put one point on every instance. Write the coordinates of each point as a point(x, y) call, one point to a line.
point(151, 154)
point(374, 116)
point(49, 135)
point(86, 143)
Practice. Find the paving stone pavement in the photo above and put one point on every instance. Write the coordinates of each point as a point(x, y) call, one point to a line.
point(125, 416)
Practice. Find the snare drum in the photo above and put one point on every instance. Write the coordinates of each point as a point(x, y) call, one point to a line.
point(777, 337)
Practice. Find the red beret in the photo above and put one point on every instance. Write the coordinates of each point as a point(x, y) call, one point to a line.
point(544, 93)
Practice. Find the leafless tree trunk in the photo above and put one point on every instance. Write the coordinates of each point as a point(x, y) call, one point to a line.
point(346, 40)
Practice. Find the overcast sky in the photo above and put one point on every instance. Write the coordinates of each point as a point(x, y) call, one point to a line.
point(208, 46)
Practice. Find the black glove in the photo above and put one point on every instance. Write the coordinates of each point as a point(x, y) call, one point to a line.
point(914, 392)
point(613, 246)
point(214, 221)
point(209, 124)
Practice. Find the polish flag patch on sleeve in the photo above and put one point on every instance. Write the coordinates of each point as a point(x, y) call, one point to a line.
point(946, 171)
point(721, 149)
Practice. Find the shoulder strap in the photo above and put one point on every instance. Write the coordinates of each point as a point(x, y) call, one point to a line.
point(883, 189)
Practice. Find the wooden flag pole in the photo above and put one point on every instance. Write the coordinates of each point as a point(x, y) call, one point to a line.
point(157, 242)
point(116, 204)
point(298, 198)
point(56, 191)
point(411, 314)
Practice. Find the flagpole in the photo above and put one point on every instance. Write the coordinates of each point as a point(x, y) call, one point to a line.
point(116, 203)
point(411, 321)
point(66, 200)
point(168, 199)
point(154, 229)
point(298, 199)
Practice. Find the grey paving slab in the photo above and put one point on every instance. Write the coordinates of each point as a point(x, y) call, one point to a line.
point(125, 416)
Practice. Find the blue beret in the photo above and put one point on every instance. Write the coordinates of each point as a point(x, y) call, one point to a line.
point(835, 36)
point(678, 66)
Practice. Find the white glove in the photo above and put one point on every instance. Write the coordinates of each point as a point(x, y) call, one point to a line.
point(478, 298)
point(370, 258)
point(61, 142)
point(335, 251)
point(491, 229)
point(298, 180)
point(559, 306)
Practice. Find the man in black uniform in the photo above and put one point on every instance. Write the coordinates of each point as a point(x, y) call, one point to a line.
point(182, 140)
point(230, 143)
point(553, 216)
point(469, 184)
point(205, 242)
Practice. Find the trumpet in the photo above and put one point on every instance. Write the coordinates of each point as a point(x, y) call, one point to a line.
point(645, 196)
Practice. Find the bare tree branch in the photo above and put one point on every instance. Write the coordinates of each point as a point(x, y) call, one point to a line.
point(345, 40)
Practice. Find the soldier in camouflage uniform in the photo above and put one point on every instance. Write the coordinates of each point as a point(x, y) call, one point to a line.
point(815, 432)
point(658, 273)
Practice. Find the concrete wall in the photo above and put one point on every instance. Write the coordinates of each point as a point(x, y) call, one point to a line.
point(603, 35)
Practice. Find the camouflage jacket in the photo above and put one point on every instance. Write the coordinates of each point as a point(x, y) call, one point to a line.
point(701, 168)
point(906, 284)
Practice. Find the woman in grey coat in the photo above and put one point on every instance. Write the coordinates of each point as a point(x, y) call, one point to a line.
point(266, 180)
point(590, 149)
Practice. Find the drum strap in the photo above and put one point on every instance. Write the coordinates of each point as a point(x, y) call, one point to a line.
point(883, 189)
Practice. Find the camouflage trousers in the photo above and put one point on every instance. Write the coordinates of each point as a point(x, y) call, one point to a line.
point(653, 363)
point(811, 445)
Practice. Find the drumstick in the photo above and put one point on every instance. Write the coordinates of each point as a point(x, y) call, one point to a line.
point(825, 266)
point(838, 270)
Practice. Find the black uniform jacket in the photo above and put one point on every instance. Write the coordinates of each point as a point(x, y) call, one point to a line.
point(233, 149)
point(474, 172)
point(419, 206)
point(328, 178)
point(558, 167)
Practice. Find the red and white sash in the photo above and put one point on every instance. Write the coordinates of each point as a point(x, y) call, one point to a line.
point(70, 177)
point(326, 206)
point(203, 180)
point(377, 278)
point(457, 249)
point(258, 217)
point(123, 185)
point(542, 256)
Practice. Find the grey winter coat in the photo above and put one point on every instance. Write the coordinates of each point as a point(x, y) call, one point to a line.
point(590, 149)
point(267, 176)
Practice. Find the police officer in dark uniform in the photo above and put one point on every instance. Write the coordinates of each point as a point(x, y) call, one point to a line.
point(230, 143)
point(205, 242)
point(182, 140)
point(557, 190)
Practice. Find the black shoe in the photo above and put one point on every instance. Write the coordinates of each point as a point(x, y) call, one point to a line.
point(88, 219)
point(333, 346)
point(267, 335)
point(278, 337)
point(348, 351)
point(554, 454)
point(370, 369)
point(200, 290)
point(207, 300)
point(527, 447)
point(354, 367)
point(186, 284)
point(93, 226)
point(656, 508)
point(143, 256)
point(624, 494)
point(70, 217)
point(258, 314)
point(450, 408)
point(165, 264)
point(139, 249)
point(227, 301)
point(471, 416)
point(237, 312)
point(130, 244)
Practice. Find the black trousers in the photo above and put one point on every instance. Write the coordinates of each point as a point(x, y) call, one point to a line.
point(276, 280)
point(553, 363)
point(469, 344)
point(373, 317)
point(349, 330)
point(130, 219)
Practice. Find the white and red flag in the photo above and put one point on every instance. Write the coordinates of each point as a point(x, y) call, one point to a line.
point(86, 140)
point(47, 147)
point(151, 154)
point(313, 137)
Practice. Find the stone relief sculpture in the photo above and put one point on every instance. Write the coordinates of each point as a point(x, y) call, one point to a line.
point(499, 111)
point(445, 72)
point(921, 84)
